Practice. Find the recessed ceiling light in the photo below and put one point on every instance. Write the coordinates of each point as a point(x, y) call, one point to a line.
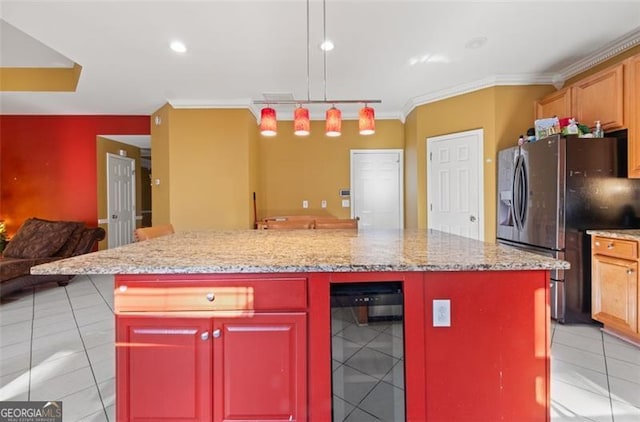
point(327, 45)
point(475, 43)
point(178, 46)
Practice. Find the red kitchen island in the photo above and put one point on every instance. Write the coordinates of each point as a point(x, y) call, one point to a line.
point(237, 325)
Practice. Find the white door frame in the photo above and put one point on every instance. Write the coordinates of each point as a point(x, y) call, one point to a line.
point(479, 135)
point(353, 152)
point(133, 192)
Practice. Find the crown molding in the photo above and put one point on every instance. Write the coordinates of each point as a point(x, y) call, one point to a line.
point(610, 50)
point(465, 88)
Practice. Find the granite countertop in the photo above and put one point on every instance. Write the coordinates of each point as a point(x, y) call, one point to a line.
point(629, 234)
point(265, 251)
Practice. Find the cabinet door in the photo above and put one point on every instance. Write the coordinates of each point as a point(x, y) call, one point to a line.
point(600, 97)
point(615, 292)
point(260, 368)
point(632, 75)
point(163, 367)
point(555, 104)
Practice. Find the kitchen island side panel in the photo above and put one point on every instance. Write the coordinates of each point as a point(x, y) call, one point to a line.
point(493, 362)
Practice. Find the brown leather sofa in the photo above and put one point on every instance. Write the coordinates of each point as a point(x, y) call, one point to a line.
point(40, 241)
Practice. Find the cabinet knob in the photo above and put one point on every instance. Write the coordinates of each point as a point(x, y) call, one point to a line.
point(597, 243)
point(123, 288)
point(216, 333)
point(630, 271)
point(211, 297)
point(204, 336)
point(610, 246)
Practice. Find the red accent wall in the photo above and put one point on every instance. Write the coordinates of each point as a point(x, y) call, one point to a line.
point(48, 165)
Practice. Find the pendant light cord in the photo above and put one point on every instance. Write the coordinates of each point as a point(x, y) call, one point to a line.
point(308, 48)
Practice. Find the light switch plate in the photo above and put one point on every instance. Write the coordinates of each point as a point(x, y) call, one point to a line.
point(442, 313)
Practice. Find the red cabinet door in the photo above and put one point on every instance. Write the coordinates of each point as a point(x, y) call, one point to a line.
point(163, 368)
point(260, 365)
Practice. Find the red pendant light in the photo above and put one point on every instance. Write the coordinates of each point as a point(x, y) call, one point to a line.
point(301, 123)
point(268, 123)
point(366, 121)
point(334, 122)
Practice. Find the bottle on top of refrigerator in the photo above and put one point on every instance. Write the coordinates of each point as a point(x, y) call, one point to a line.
point(599, 133)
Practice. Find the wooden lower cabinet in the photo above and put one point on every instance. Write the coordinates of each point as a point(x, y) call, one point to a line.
point(614, 290)
point(246, 368)
point(615, 284)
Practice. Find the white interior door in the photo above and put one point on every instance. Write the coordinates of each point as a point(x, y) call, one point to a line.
point(455, 184)
point(377, 188)
point(121, 199)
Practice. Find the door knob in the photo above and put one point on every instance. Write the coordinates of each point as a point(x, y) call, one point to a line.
point(114, 216)
point(472, 218)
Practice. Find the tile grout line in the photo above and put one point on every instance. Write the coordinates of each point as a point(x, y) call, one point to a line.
point(84, 347)
point(100, 292)
point(379, 380)
point(606, 370)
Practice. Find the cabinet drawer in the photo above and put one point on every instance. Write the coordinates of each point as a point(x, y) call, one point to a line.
point(213, 295)
point(627, 249)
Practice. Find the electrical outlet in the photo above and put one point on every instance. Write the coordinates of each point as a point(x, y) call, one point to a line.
point(442, 313)
point(346, 203)
point(323, 204)
point(305, 204)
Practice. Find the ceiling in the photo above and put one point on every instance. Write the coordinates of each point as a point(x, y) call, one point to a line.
point(404, 53)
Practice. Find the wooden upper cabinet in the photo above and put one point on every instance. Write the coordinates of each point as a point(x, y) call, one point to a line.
point(555, 104)
point(632, 108)
point(600, 97)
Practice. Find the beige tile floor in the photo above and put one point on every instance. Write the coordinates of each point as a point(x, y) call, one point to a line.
point(57, 343)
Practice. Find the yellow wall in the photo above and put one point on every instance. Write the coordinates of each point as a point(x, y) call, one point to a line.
point(411, 171)
point(40, 78)
point(313, 168)
point(103, 147)
point(502, 112)
point(205, 167)
point(160, 172)
point(254, 168)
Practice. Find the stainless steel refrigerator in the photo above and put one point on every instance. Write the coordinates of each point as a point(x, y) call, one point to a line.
point(550, 192)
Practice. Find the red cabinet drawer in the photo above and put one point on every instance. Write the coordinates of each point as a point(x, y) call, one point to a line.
point(156, 294)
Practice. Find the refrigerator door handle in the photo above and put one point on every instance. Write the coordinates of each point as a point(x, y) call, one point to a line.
point(520, 191)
